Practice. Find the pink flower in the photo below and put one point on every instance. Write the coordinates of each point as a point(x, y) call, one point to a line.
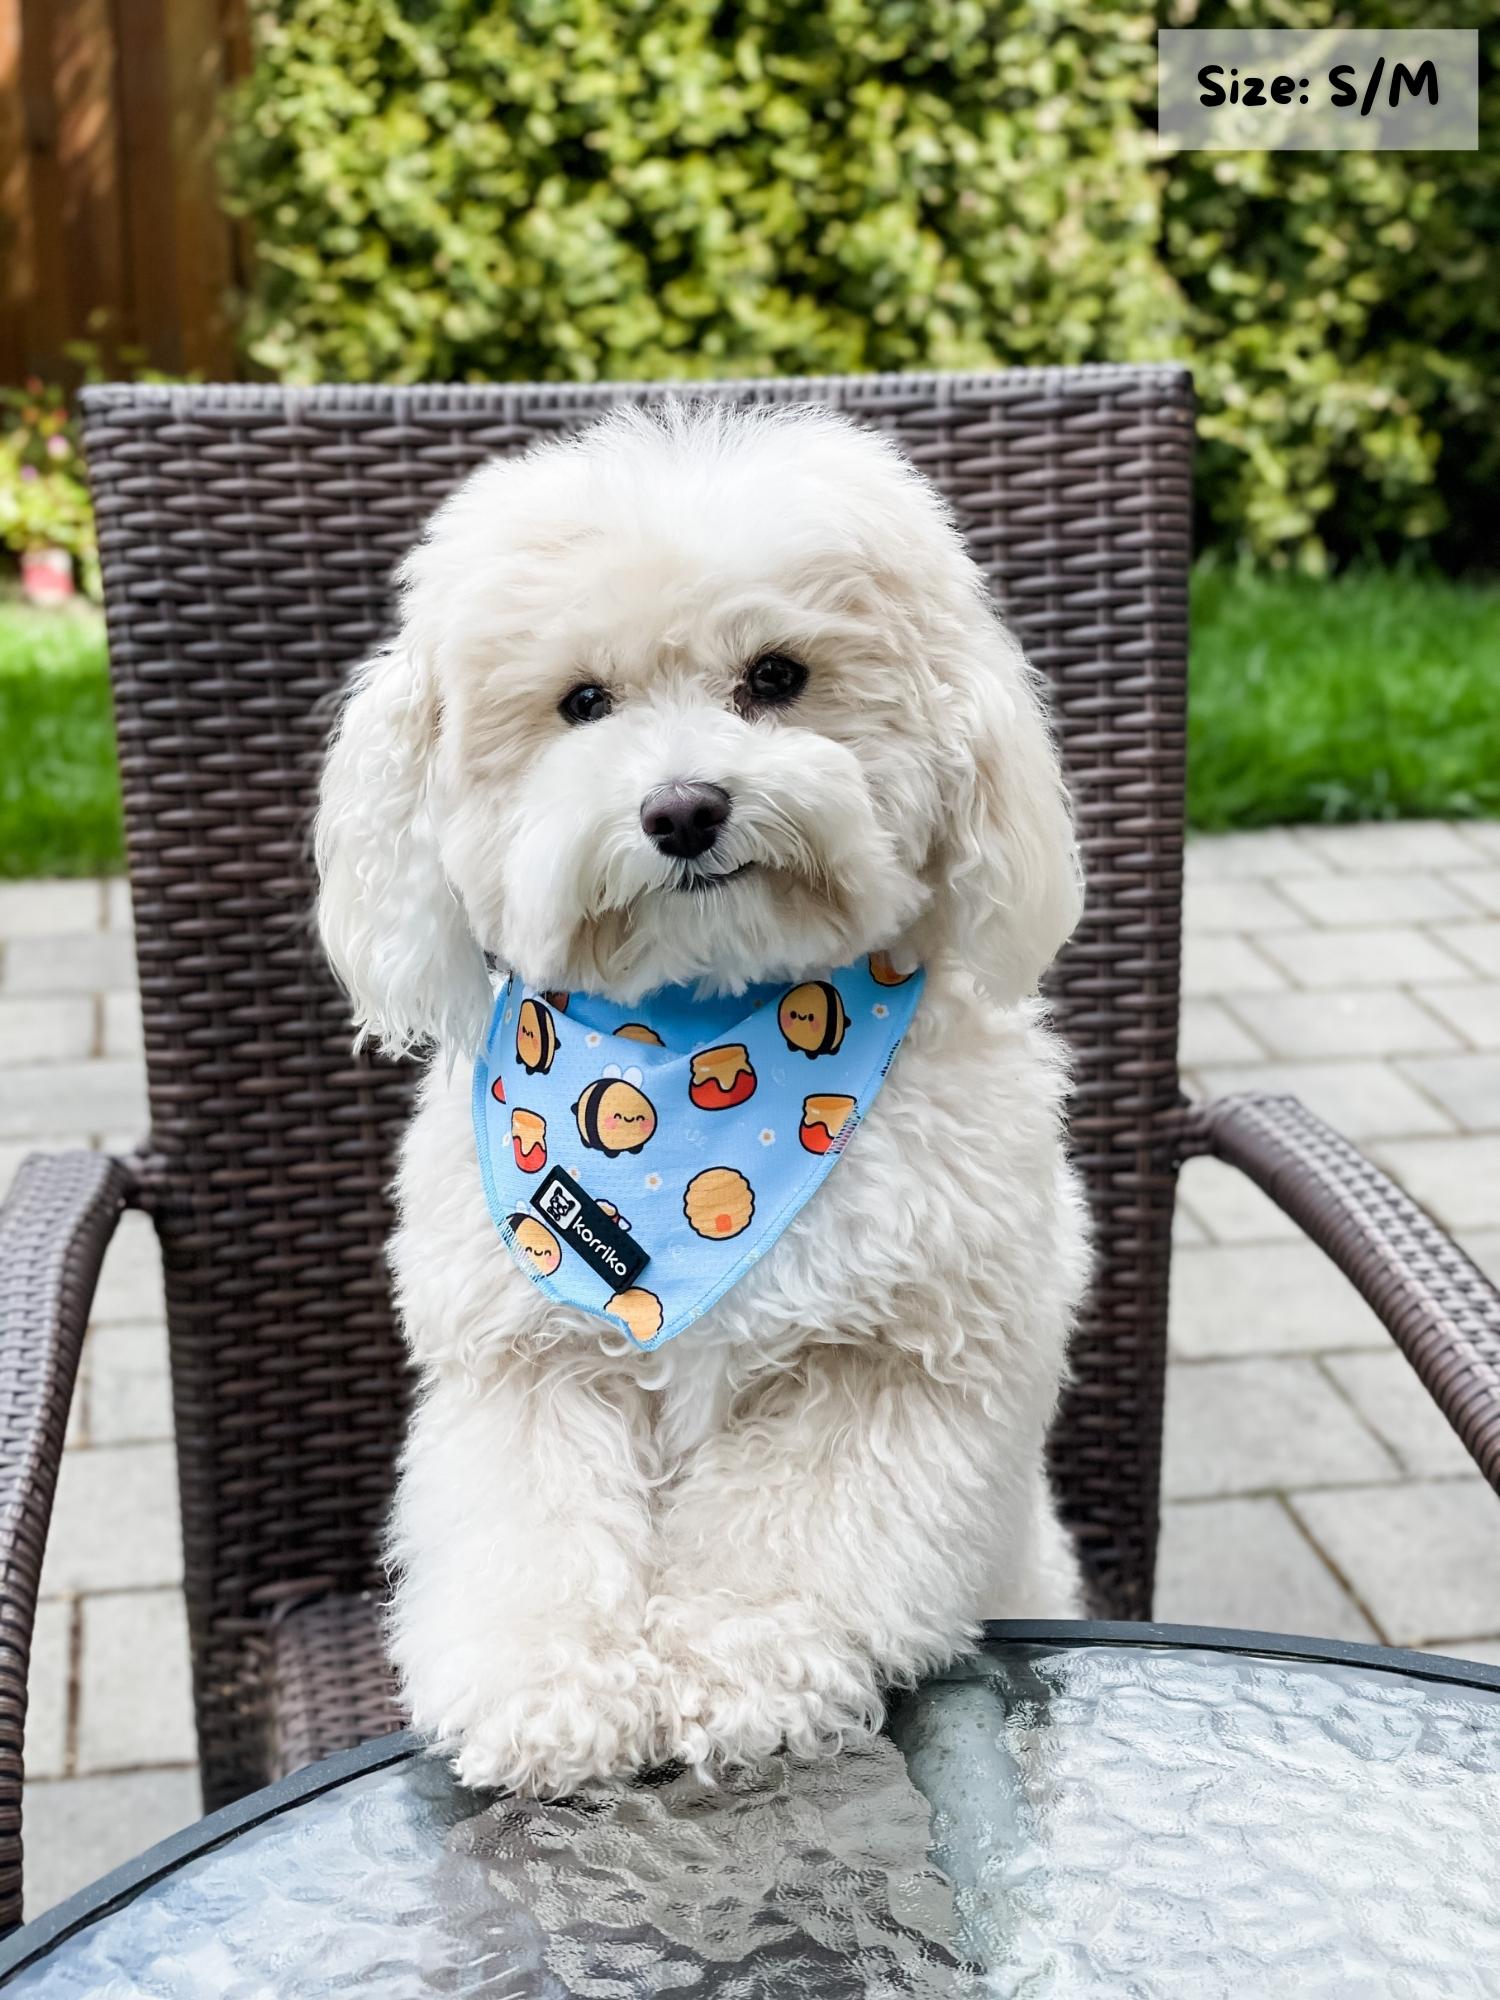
point(58, 446)
point(28, 473)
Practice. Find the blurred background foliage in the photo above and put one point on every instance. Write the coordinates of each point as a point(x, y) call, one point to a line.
point(575, 189)
point(44, 495)
point(451, 190)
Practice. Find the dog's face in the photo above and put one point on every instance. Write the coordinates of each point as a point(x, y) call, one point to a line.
point(704, 696)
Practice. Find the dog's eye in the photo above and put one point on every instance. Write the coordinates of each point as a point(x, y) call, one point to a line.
point(775, 680)
point(587, 703)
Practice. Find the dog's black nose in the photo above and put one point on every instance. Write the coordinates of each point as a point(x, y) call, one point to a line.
point(684, 819)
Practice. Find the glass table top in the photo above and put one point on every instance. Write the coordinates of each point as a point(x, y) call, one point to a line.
point(1106, 1820)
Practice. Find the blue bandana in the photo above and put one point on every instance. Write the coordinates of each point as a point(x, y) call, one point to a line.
point(637, 1160)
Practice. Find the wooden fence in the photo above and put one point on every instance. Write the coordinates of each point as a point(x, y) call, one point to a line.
point(109, 215)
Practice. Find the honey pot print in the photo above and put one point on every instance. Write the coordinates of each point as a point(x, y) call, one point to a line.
point(824, 1120)
point(528, 1137)
point(722, 1078)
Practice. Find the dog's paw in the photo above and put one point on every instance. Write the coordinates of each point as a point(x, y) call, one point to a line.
point(738, 1685)
point(548, 1733)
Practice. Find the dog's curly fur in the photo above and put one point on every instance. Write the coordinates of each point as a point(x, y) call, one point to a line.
point(604, 1559)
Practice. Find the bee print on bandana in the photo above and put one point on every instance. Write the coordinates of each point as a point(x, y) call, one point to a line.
point(812, 1018)
point(614, 1114)
point(719, 1203)
point(536, 1038)
point(637, 1031)
point(540, 1250)
point(823, 1121)
point(528, 1135)
point(640, 1310)
point(722, 1077)
point(883, 970)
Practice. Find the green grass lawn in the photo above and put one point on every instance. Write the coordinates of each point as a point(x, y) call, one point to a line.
point(59, 789)
point(1375, 696)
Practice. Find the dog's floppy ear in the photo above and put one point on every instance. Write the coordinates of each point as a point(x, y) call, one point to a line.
point(393, 927)
point(1009, 861)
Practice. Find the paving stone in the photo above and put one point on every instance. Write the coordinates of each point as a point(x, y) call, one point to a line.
point(1262, 1426)
point(127, 1390)
point(1374, 1021)
point(1483, 834)
point(47, 1691)
point(118, 912)
point(1246, 1563)
point(99, 962)
point(1214, 964)
point(1422, 1556)
point(1363, 1100)
point(122, 1025)
point(1385, 1390)
point(46, 1031)
point(1480, 885)
point(1233, 856)
point(1472, 1011)
point(1235, 904)
point(1478, 944)
point(130, 1284)
point(78, 1829)
point(1229, 1208)
point(115, 1525)
point(1351, 901)
point(82, 1097)
point(1374, 957)
point(1209, 1033)
point(50, 909)
point(1186, 1231)
point(1229, 1301)
point(1483, 1245)
point(1393, 844)
point(135, 1703)
point(1456, 1180)
point(75, 1431)
point(1467, 1085)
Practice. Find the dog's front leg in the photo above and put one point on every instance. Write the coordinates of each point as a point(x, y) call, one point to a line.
point(839, 1534)
point(522, 1547)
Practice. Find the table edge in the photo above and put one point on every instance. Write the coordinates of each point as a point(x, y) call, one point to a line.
point(1399, 1660)
point(34, 1940)
point(42, 1934)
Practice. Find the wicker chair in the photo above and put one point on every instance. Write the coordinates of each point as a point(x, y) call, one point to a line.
point(248, 535)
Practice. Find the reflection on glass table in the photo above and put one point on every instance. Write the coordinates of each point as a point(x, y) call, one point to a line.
point(1106, 1812)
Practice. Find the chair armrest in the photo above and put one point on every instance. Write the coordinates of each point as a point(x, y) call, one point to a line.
point(54, 1227)
point(1441, 1309)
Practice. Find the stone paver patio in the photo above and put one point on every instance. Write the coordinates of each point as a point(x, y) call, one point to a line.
point(1309, 1484)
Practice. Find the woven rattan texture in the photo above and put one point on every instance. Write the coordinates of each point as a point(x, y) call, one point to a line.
point(331, 1685)
point(248, 535)
point(54, 1226)
point(1442, 1311)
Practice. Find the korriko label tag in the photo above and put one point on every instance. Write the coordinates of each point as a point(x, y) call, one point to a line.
point(588, 1230)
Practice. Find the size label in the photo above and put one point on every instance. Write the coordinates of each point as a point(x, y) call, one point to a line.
point(1342, 90)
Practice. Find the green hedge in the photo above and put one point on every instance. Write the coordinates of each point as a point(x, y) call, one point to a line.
point(568, 189)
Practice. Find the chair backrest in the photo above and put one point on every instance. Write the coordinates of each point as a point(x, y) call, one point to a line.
point(248, 536)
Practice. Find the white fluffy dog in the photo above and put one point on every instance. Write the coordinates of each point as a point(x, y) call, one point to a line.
point(607, 1559)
